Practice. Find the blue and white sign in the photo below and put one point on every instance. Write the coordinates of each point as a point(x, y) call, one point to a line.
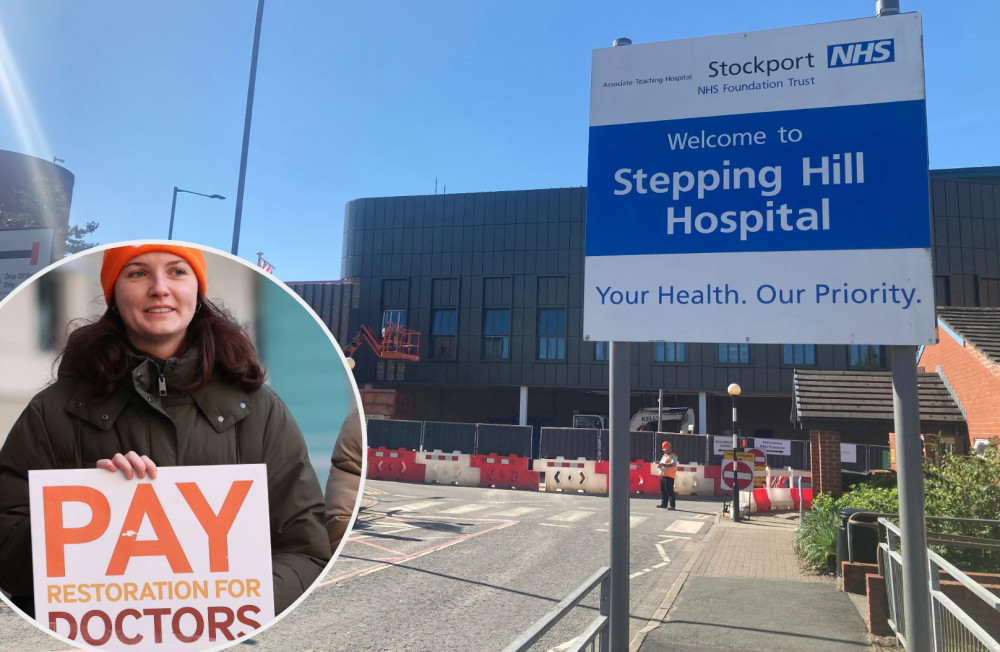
point(761, 187)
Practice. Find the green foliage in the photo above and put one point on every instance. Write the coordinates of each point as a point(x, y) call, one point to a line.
point(958, 487)
point(816, 539)
point(966, 487)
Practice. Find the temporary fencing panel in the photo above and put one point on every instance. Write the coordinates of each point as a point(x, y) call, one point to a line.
point(569, 443)
point(504, 440)
point(440, 435)
point(690, 449)
point(797, 459)
point(394, 434)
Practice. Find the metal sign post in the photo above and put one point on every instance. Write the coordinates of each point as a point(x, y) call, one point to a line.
point(618, 499)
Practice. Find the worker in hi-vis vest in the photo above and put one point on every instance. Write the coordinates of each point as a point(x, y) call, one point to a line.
point(668, 471)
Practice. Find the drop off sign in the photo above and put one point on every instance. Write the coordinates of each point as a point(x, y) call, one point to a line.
point(762, 187)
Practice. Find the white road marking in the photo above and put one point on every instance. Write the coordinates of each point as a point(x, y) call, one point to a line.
point(414, 507)
point(516, 511)
point(572, 515)
point(687, 527)
point(465, 509)
point(553, 525)
point(632, 522)
point(703, 516)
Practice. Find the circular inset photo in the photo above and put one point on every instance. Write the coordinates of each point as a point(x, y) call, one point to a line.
point(169, 418)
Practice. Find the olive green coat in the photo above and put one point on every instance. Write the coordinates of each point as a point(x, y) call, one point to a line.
point(62, 428)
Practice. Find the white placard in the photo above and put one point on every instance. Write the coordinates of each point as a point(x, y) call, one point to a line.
point(721, 444)
point(22, 253)
point(182, 562)
point(849, 453)
point(773, 446)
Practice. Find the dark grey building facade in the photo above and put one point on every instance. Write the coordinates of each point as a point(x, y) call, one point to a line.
point(493, 282)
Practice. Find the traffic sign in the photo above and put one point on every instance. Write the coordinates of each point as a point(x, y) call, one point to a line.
point(759, 466)
point(761, 187)
point(744, 475)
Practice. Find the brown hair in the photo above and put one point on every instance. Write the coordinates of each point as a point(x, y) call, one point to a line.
point(99, 354)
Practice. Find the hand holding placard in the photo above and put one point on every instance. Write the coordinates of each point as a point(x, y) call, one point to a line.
point(183, 562)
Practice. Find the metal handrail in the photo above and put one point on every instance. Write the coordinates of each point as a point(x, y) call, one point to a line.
point(939, 600)
point(599, 625)
point(936, 538)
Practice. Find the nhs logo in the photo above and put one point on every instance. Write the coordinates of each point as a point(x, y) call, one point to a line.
point(860, 53)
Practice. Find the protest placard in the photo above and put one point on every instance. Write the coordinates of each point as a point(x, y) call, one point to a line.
point(182, 562)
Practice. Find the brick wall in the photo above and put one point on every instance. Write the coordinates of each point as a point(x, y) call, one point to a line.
point(824, 455)
point(975, 379)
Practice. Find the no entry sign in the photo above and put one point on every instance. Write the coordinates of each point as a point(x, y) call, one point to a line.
point(744, 475)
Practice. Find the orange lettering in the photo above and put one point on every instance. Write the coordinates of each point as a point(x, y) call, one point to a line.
point(216, 526)
point(57, 536)
point(146, 504)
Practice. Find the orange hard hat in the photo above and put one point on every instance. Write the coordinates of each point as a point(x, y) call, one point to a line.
point(665, 445)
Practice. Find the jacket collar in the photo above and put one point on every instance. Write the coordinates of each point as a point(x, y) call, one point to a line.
point(222, 404)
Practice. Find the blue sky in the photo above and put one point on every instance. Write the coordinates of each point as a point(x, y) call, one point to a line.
point(374, 99)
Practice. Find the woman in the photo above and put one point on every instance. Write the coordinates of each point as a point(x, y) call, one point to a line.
point(166, 378)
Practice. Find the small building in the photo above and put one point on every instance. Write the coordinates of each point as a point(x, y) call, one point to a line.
point(967, 357)
point(859, 405)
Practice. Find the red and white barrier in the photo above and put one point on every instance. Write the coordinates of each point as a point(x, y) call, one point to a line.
point(577, 475)
point(397, 465)
point(774, 500)
point(507, 471)
point(449, 468)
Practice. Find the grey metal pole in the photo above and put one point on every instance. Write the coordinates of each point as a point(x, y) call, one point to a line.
point(909, 477)
point(619, 393)
point(246, 131)
point(173, 207)
point(910, 482)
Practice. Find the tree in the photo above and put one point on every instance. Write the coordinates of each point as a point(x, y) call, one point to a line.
point(75, 235)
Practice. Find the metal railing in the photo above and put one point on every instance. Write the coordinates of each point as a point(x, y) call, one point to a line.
point(598, 628)
point(953, 628)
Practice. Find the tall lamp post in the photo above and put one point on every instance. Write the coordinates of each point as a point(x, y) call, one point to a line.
point(734, 391)
point(173, 207)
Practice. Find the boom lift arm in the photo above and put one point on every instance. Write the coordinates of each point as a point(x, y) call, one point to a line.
point(397, 343)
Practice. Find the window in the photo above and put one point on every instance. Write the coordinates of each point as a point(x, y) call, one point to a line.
point(397, 317)
point(798, 354)
point(668, 352)
point(552, 334)
point(867, 356)
point(601, 351)
point(444, 331)
point(734, 353)
point(496, 334)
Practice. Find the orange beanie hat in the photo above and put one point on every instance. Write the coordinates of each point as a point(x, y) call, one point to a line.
point(115, 259)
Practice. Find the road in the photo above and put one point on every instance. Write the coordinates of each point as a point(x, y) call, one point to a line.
point(431, 567)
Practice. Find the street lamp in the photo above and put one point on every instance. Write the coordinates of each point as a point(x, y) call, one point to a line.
point(173, 206)
point(734, 391)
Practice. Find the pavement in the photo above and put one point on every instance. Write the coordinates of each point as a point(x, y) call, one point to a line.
point(743, 589)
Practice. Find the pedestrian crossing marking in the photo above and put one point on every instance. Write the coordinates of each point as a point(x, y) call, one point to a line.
point(632, 521)
point(516, 511)
point(571, 515)
point(465, 509)
point(703, 516)
point(414, 507)
point(687, 527)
